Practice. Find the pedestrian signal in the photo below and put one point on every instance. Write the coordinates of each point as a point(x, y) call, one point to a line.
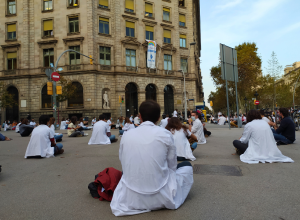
point(58, 90)
point(91, 60)
point(49, 88)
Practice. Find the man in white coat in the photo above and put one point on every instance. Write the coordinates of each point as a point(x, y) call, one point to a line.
point(151, 178)
point(175, 113)
point(164, 121)
point(99, 135)
point(197, 127)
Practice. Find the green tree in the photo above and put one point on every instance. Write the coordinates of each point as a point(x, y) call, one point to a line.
point(6, 100)
point(68, 90)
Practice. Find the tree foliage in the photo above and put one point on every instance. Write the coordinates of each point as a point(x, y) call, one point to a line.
point(69, 90)
point(6, 99)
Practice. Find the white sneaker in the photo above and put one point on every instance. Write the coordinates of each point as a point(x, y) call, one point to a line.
point(86, 134)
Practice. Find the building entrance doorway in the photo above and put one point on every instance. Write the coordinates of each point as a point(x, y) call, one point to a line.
point(12, 113)
point(131, 99)
point(169, 100)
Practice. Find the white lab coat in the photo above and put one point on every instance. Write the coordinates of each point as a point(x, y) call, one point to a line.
point(136, 121)
point(261, 144)
point(175, 113)
point(183, 147)
point(150, 179)
point(109, 127)
point(127, 127)
point(63, 125)
point(222, 120)
point(266, 119)
point(99, 135)
point(164, 122)
point(197, 130)
point(18, 127)
point(40, 143)
point(32, 123)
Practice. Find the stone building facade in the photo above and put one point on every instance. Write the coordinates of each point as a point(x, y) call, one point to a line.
point(290, 72)
point(33, 34)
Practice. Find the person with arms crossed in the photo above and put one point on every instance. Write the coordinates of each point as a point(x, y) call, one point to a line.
point(196, 127)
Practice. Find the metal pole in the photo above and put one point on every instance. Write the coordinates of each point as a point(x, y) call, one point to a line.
point(294, 91)
point(236, 95)
point(185, 113)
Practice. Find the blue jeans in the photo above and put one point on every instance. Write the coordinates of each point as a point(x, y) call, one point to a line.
point(57, 137)
point(279, 137)
point(2, 137)
point(112, 137)
point(194, 145)
point(121, 132)
point(60, 146)
point(66, 127)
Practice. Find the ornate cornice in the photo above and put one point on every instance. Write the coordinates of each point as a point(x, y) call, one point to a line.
point(149, 22)
point(73, 39)
point(130, 17)
point(47, 42)
point(168, 47)
point(130, 40)
point(10, 45)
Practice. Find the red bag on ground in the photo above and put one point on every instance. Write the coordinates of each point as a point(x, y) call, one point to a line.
point(108, 179)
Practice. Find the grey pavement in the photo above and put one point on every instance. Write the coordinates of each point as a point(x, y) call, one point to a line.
point(56, 188)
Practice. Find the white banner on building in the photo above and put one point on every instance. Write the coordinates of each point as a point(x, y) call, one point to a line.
point(151, 54)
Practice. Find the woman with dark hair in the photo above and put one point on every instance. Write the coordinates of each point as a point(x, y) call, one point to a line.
point(181, 135)
point(81, 124)
point(257, 143)
point(128, 125)
point(73, 129)
point(25, 129)
point(57, 136)
point(63, 124)
point(121, 125)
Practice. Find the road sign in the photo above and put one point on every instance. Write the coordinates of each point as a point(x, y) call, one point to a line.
point(49, 88)
point(55, 76)
point(58, 90)
point(256, 102)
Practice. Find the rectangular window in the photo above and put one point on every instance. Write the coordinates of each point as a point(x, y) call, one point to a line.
point(48, 5)
point(182, 40)
point(166, 14)
point(181, 3)
point(148, 10)
point(130, 57)
point(167, 36)
point(104, 25)
point(168, 62)
point(12, 61)
point(73, 24)
point(129, 5)
point(130, 29)
point(149, 32)
point(182, 20)
point(48, 57)
point(184, 65)
point(11, 31)
point(103, 3)
point(73, 3)
point(74, 57)
point(48, 28)
point(105, 55)
point(11, 7)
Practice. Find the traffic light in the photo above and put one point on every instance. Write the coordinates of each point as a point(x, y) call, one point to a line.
point(211, 103)
point(120, 100)
point(254, 101)
point(91, 60)
point(49, 88)
point(58, 90)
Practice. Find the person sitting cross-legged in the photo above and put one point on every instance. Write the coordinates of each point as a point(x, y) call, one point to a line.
point(99, 135)
point(151, 178)
point(286, 132)
point(4, 138)
point(42, 142)
point(196, 127)
point(74, 130)
point(257, 143)
point(181, 135)
point(25, 129)
point(128, 125)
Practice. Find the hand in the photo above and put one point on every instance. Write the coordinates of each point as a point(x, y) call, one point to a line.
point(203, 124)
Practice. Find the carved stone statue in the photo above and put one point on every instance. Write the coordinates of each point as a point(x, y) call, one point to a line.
point(105, 101)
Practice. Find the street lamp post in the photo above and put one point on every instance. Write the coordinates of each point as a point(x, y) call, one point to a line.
point(245, 99)
point(256, 94)
point(183, 73)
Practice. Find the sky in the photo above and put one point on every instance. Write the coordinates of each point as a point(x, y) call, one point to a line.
point(274, 25)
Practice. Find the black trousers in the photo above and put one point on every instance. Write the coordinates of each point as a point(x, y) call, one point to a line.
point(207, 132)
point(240, 146)
point(183, 164)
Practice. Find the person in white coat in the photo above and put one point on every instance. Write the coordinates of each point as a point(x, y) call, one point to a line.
point(127, 126)
point(181, 135)
point(221, 120)
point(151, 178)
point(18, 126)
point(164, 121)
point(99, 135)
point(175, 113)
point(63, 124)
point(257, 143)
point(196, 127)
point(42, 142)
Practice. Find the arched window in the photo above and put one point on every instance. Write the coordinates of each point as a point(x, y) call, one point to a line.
point(12, 113)
point(131, 99)
point(169, 100)
point(151, 92)
point(77, 100)
point(46, 99)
